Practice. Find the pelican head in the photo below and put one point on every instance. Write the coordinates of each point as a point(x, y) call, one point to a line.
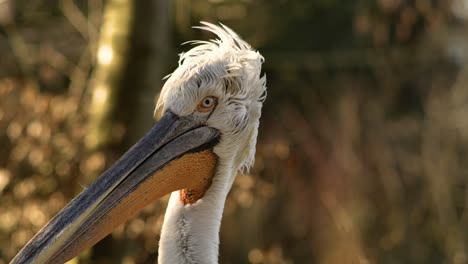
point(219, 82)
point(209, 112)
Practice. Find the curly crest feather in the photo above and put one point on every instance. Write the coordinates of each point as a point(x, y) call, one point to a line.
point(227, 58)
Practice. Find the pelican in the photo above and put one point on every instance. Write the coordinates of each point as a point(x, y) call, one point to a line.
point(210, 108)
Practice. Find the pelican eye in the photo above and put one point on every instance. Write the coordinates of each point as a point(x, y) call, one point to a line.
point(207, 104)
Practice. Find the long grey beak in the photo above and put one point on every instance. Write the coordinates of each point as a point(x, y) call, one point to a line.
point(143, 174)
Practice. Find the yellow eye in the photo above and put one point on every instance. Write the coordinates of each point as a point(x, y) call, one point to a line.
point(207, 104)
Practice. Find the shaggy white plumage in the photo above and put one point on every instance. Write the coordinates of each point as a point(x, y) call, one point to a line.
point(228, 69)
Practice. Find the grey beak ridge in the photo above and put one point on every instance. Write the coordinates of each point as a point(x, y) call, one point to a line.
point(170, 138)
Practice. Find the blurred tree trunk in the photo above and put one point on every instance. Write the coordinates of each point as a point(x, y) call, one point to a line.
point(132, 59)
point(131, 63)
point(111, 59)
point(146, 66)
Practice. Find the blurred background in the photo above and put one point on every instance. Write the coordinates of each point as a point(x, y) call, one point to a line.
point(362, 152)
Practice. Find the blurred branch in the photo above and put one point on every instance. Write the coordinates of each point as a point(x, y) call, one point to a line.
point(25, 55)
point(87, 28)
point(95, 8)
point(77, 19)
point(79, 75)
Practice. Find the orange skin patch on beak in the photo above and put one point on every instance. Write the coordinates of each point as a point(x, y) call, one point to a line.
point(199, 187)
point(192, 171)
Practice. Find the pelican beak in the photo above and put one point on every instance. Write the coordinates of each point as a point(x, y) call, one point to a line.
point(175, 154)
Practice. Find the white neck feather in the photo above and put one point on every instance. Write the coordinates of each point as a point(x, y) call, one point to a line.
point(190, 233)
